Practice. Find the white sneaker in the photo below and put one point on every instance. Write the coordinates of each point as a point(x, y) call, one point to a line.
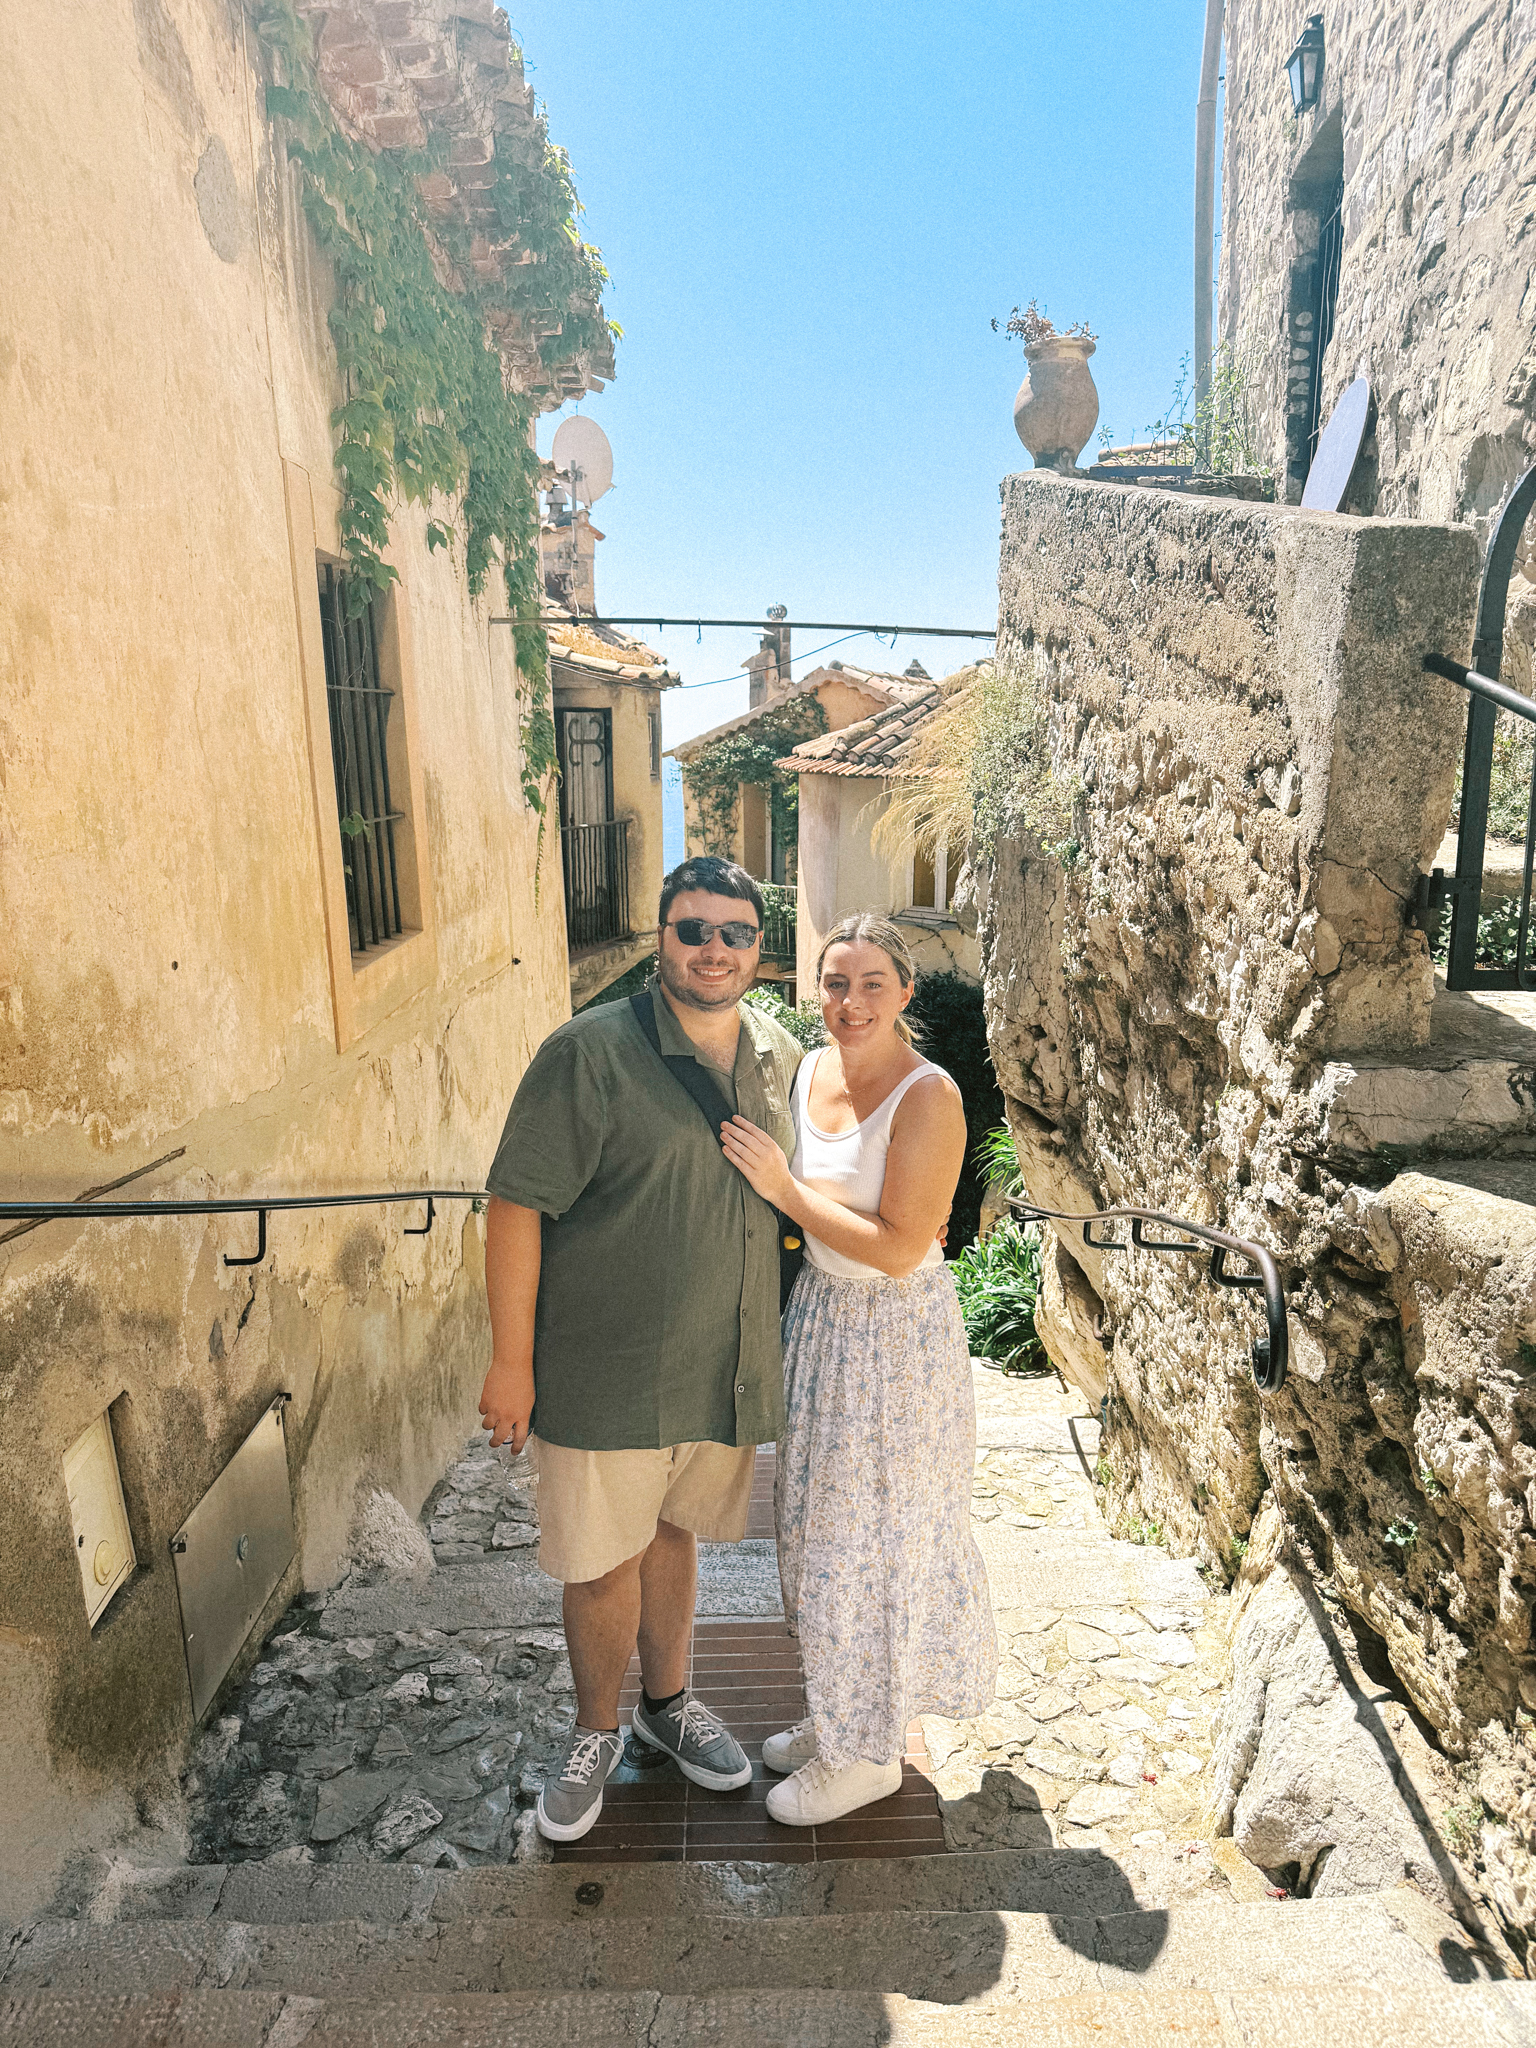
point(817, 1793)
point(788, 1751)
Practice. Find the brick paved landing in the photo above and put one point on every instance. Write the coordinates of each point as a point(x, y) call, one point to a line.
point(749, 1672)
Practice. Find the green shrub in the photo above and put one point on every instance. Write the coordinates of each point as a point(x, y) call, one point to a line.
point(997, 1161)
point(1498, 933)
point(999, 1283)
point(803, 1023)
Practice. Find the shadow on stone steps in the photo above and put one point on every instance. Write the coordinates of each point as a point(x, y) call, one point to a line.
point(1490, 2016)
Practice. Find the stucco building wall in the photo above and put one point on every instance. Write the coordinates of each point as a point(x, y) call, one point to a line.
point(841, 871)
point(1427, 119)
point(166, 979)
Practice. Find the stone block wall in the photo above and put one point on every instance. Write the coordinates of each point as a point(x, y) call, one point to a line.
point(1428, 121)
point(1209, 1000)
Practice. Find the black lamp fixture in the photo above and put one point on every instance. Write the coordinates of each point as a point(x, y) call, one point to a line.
point(1304, 66)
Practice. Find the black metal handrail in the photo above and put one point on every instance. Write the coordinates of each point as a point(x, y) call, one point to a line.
point(1270, 1354)
point(1463, 891)
point(259, 1206)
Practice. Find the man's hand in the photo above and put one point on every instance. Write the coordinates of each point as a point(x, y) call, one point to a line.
point(506, 1403)
point(512, 1258)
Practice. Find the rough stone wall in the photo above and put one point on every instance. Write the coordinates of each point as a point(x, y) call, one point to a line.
point(1428, 113)
point(1183, 1004)
point(164, 973)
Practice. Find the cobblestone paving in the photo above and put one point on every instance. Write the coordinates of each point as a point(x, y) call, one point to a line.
point(427, 1746)
point(1100, 1733)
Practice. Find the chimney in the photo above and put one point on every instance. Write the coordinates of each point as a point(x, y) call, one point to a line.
point(769, 669)
point(567, 554)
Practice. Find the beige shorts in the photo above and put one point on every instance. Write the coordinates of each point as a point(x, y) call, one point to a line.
point(597, 1508)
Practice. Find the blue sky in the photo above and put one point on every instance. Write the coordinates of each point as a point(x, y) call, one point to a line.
point(811, 213)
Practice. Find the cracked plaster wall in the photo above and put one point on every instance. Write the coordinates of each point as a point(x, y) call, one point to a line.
point(1181, 1008)
point(164, 980)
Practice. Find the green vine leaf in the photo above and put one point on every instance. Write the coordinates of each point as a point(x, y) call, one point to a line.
point(426, 414)
point(751, 755)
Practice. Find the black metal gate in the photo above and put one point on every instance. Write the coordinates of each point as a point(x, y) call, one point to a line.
point(1464, 890)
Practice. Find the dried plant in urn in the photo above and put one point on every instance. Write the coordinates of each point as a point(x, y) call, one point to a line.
point(1058, 402)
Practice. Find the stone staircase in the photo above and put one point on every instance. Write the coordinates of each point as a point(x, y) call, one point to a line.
point(370, 1873)
point(992, 1947)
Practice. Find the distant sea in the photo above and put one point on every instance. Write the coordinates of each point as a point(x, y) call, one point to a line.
point(671, 814)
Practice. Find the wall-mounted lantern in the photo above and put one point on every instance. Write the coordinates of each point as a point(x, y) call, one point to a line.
point(1304, 66)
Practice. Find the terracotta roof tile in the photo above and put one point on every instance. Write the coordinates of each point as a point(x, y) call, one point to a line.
point(880, 745)
point(897, 689)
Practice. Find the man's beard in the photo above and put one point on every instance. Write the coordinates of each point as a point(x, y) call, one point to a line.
point(675, 981)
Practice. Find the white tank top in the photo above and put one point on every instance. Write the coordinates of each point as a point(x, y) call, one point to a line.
point(848, 1166)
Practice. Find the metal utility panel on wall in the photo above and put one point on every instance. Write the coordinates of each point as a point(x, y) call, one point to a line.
point(103, 1544)
point(230, 1553)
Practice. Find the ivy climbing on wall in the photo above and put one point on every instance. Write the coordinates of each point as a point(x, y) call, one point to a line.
point(426, 413)
point(751, 755)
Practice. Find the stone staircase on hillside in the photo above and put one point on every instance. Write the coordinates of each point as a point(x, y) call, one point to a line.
point(369, 1872)
point(995, 1947)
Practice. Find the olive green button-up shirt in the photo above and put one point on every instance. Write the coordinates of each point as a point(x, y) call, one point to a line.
point(658, 1308)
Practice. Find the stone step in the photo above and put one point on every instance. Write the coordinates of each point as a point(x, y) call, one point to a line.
point(945, 1957)
point(1459, 2015)
point(507, 1590)
point(1061, 1881)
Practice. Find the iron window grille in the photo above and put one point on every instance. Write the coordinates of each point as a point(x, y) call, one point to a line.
point(1330, 258)
point(359, 706)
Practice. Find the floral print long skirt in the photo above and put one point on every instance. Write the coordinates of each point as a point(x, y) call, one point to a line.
point(880, 1572)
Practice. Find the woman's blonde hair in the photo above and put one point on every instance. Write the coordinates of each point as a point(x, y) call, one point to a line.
point(872, 929)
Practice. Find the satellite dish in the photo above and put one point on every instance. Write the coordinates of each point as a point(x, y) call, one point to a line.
point(581, 451)
point(1338, 450)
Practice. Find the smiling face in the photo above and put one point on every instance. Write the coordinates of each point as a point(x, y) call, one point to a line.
point(712, 976)
point(862, 993)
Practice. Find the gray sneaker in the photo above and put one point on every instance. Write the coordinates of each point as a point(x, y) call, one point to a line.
point(703, 1747)
point(573, 1798)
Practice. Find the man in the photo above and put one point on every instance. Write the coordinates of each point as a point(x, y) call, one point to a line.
point(633, 1280)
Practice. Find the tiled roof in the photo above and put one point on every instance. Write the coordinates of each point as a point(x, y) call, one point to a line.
point(895, 689)
point(879, 745)
point(604, 652)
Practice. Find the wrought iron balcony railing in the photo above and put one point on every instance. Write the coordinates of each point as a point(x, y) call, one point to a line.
point(778, 921)
point(596, 861)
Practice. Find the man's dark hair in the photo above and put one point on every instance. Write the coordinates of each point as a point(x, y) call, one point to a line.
point(707, 874)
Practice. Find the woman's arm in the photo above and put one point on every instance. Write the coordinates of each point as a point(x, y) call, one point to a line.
point(921, 1170)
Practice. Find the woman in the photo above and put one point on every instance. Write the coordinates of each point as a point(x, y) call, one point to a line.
point(874, 1489)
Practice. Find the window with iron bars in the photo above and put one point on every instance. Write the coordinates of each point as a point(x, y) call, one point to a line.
point(359, 707)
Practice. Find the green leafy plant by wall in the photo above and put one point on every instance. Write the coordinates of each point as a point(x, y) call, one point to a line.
point(802, 1023)
point(997, 1161)
point(426, 413)
point(980, 767)
point(751, 755)
point(998, 1283)
point(1215, 434)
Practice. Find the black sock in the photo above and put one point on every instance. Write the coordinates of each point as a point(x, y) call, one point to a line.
point(655, 1706)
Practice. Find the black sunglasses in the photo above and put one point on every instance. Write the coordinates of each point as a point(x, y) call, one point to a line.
point(698, 931)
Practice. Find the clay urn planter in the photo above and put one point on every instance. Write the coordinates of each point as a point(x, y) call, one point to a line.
point(1058, 402)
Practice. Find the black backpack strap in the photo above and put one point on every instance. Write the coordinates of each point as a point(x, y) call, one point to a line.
point(687, 1071)
point(683, 1067)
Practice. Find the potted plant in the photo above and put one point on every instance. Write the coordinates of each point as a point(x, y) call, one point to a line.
point(1058, 402)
